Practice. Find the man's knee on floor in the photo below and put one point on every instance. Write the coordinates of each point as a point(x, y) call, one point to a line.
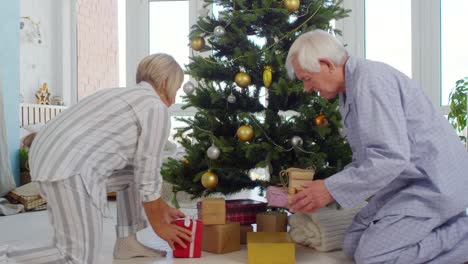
point(364, 254)
point(350, 243)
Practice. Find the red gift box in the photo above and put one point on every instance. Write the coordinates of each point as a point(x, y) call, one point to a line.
point(193, 249)
point(243, 211)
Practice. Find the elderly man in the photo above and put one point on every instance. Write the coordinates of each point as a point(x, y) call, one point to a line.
point(407, 160)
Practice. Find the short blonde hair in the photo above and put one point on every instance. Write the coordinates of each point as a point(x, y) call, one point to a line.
point(162, 71)
point(308, 48)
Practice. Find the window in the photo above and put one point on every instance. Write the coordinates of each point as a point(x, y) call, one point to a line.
point(437, 56)
point(454, 39)
point(388, 33)
point(122, 43)
point(169, 29)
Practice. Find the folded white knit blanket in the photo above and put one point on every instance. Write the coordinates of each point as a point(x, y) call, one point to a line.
point(323, 230)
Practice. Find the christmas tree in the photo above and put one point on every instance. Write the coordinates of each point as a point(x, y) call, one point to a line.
point(250, 114)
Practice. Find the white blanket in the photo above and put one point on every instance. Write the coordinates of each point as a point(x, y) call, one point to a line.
point(323, 230)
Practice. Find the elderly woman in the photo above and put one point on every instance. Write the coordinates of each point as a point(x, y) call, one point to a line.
point(110, 141)
point(407, 159)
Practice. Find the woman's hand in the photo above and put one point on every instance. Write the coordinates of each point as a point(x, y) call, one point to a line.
point(172, 234)
point(161, 215)
point(170, 213)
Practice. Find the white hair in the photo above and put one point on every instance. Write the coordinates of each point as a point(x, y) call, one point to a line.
point(308, 48)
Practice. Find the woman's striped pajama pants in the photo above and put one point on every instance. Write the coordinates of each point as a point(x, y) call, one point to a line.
point(77, 221)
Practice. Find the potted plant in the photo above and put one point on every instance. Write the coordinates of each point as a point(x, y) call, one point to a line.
point(25, 176)
point(457, 100)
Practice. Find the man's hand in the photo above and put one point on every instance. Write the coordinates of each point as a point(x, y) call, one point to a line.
point(160, 215)
point(314, 196)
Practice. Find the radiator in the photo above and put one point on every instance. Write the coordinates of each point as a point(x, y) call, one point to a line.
point(31, 114)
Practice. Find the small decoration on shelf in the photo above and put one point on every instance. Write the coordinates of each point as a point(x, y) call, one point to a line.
point(267, 76)
point(30, 30)
point(197, 43)
point(57, 100)
point(209, 180)
point(245, 133)
point(242, 79)
point(43, 95)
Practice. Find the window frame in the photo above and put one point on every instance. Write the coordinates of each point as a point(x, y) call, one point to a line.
point(426, 42)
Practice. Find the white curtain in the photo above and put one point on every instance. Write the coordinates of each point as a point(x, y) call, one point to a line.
point(6, 178)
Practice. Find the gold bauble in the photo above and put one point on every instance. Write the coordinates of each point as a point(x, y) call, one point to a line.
point(292, 5)
point(321, 120)
point(209, 180)
point(245, 133)
point(242, 79)
point(267, 76)
point(197, 43)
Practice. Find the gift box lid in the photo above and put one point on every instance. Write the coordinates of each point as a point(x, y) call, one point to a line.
point(268, 237)
point(244, 203)
point(241, 204)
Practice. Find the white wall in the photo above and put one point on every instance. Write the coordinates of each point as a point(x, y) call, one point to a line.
point(41, 63)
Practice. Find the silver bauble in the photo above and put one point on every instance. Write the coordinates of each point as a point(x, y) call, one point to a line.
point(341, 132)
point(219, 31)
point(296, 141)
point(189, 87)
point(231, 99)
point(213, 152)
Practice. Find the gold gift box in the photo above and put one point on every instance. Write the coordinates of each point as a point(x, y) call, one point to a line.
point(295, 185)
point(212, 211)
point(221, 239)
point(272, 222)
point(297, 177)
point(270, 248)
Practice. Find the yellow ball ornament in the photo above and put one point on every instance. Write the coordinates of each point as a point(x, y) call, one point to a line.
point(197, 43)
point(209, 180)
point(321, 120)
point(292, 5)
point(245, 133)
point(242, 79)
point(267, 76)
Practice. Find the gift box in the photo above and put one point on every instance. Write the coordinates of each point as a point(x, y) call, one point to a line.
point(243, 211)
point(295, 185)
point(221, 239)
point(277, 196)
point(270, 248)
point(243, 233)
point(212, 211)
point(193, 249)
point(272, 222)
point(295, 177)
